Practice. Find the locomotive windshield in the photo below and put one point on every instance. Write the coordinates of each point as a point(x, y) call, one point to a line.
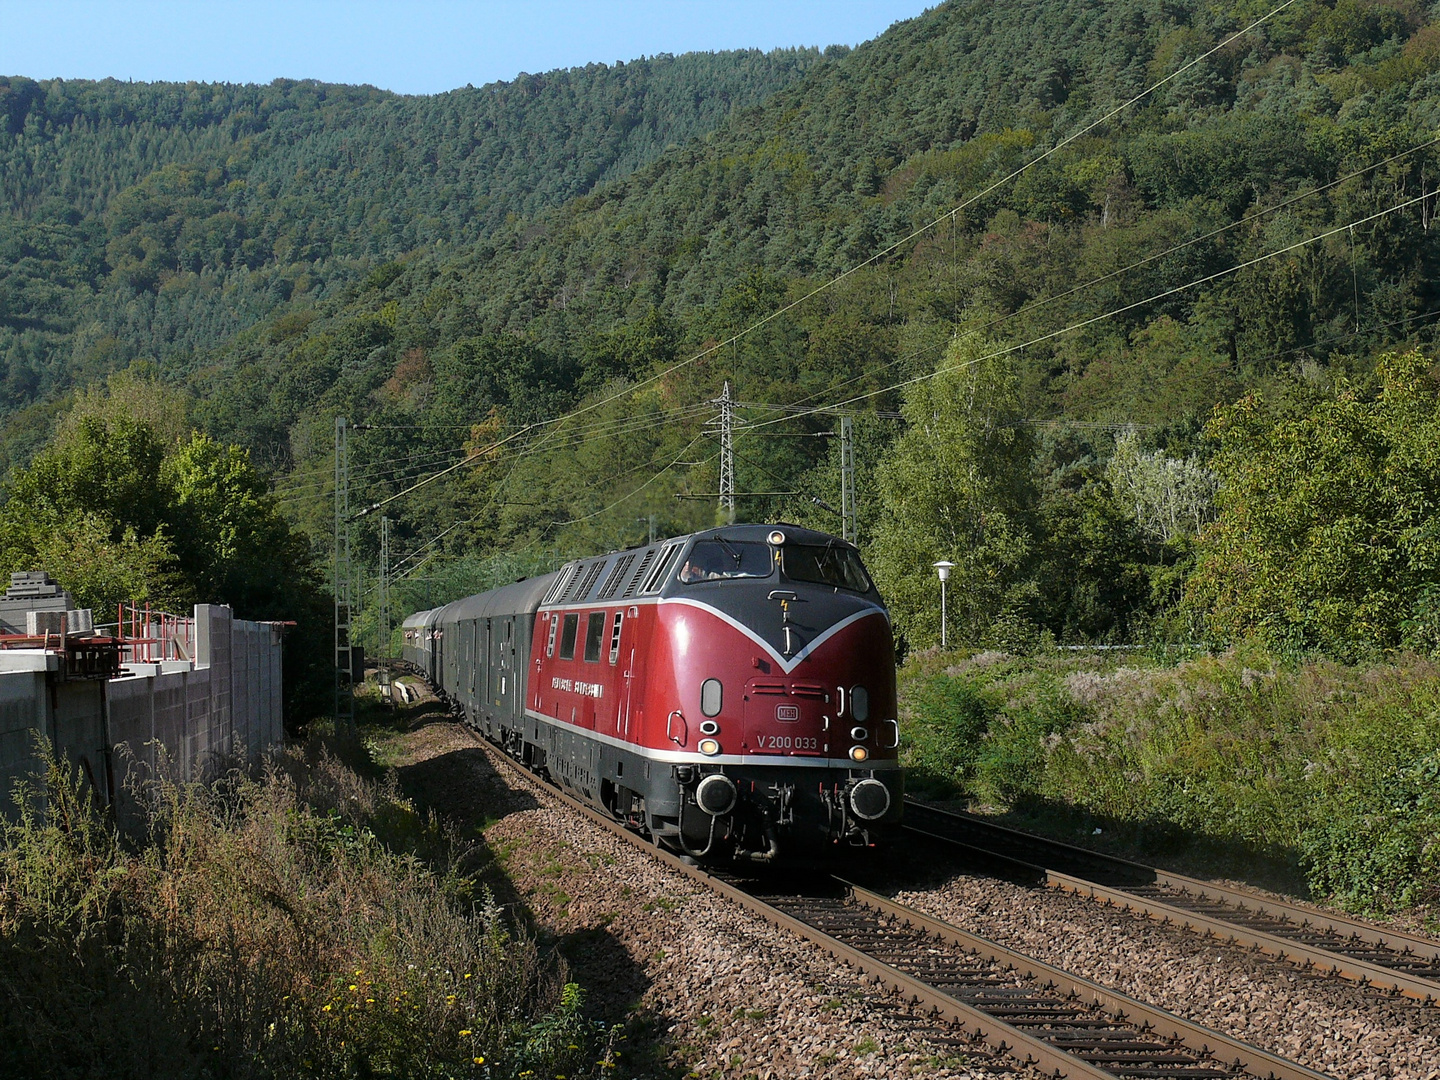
point(720, 560)
point(826, 565)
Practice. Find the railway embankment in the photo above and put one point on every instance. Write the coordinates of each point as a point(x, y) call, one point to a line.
point(700, 985)
point(310, 921)
point(1314, 778)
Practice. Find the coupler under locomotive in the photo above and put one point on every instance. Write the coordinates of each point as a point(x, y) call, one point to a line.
point(725, 813)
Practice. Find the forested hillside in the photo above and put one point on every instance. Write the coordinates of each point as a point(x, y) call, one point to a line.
point(158, 220)
point(1131, 303)
point(1322, 117)
point(1258, 225)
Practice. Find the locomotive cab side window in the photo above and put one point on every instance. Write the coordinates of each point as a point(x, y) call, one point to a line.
point(594, 635)
point(567, 636)
point(723, 560)
point(615, 636)
point(657, 575)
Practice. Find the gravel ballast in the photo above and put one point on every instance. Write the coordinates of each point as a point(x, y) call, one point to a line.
point(707, 989)
point(1324, 1023)
point(714, 990)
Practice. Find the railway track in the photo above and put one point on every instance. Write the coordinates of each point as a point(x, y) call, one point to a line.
point(971, 995)
point(1323, 943)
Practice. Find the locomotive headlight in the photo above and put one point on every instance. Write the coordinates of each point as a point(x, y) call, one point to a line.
point(777, 538)
point(709, 747)
point(857, 753)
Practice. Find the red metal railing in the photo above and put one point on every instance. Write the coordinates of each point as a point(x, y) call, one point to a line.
point(148, 635)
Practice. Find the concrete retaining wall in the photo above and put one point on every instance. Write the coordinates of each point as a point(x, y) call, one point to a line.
point(224, 707)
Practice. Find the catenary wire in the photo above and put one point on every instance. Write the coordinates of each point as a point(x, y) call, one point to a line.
point(1082, 323)
point(832, 282)
point(1101, 279)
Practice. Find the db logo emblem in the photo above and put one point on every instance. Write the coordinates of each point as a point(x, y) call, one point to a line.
point(787, 712)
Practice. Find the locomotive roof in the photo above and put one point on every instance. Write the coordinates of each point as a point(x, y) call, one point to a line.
point(793, 534)
point(615, 576)
point(645, 570)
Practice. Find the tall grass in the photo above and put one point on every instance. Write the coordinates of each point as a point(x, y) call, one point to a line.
point(1333, 770)
point(307, 923)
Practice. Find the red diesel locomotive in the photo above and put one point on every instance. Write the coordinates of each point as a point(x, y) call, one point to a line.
point(731, 693)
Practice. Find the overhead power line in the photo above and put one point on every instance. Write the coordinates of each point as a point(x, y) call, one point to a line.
point(832, 282)
point(1082, 323)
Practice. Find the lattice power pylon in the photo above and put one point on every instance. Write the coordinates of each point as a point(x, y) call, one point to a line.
point(383, 592)
point(343, 583)
point(727, 454)
point(849, 516)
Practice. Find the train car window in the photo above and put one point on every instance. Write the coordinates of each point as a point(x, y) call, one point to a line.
point(615, 636)
point(829, 564)
point(567, 636)
point(720, 560)
point(594, 635)
point(550, 641)
point(652, 583)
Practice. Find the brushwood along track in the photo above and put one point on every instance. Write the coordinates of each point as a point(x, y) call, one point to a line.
point(1329, 944)
point(964, 990)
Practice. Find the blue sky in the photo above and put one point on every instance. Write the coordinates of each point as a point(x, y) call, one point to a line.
point(422, 46)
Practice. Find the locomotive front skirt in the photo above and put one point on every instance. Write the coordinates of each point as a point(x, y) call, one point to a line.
point(731, 693)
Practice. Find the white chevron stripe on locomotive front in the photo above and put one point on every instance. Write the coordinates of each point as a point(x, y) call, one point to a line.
point(787, 666)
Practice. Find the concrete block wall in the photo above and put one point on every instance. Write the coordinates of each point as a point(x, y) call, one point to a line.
point(223, 708)
point(68, 714)
point(24, 711)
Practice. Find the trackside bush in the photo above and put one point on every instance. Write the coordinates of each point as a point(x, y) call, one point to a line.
point(1330, 769)
point(309, 923)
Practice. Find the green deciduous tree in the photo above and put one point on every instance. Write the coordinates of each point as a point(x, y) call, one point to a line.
point(115, 514)
point(957, 486)
point(1327, 531)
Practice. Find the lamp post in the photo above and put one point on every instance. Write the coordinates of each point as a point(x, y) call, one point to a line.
point(943, 568)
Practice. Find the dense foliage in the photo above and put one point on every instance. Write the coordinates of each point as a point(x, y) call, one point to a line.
point(131, 504)
point(1322, 773)
point(1327, 534)
point(1276, 139)
point(311, 923)
point(158, 220)
point(1034, 371)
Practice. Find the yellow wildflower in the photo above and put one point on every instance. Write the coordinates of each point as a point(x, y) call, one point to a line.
point(465, 1032)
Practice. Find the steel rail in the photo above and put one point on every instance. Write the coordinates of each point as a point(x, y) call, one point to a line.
point(1386, 953)
point(1253, 1060)
point(1001, 1037)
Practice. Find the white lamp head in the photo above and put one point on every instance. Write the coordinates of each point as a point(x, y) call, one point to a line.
point(943, 568)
